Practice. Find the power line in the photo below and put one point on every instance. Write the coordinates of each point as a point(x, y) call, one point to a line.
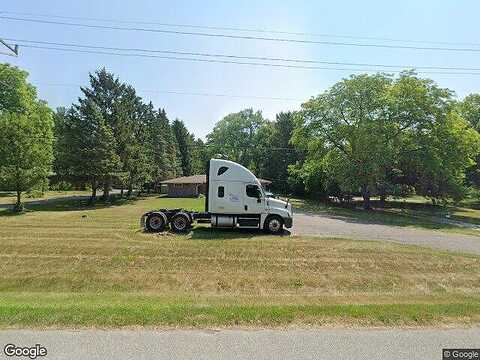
point(190, 59)
point(230, 56)
point(242, 29)
point(193, 59)
point(175, 92)
point(242, 37)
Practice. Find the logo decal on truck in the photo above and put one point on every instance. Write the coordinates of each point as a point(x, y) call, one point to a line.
point(233, 197)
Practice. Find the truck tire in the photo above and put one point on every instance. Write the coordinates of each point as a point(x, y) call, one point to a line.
point(180, 222)
point(274, 225)
point(156, 222)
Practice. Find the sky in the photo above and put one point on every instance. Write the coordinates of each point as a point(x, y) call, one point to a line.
point(57, 75)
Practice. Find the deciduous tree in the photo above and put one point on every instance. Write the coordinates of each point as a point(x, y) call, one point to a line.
point(26, 134)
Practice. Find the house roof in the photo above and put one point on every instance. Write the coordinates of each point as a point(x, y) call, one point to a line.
point(194, 179)
point(200, 179)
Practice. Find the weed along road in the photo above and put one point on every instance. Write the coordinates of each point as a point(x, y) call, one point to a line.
point(345, 227)
point(245, 344)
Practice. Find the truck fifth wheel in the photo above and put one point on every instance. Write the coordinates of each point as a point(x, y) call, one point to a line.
point(234, 199)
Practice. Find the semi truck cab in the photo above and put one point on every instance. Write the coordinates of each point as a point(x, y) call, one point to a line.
point(234, 198)
point(235, 195)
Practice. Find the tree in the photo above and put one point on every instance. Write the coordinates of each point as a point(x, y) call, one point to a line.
point(374, 133)
point(26, 135)
point(437, 145)
point(131, 136)
point(237, 136)
point(436, 161)
point(163, 153)
point(278, 152)
point(16, 94)
point(127, 117)
point(26, 150)
point(199, 156)
point(116, 103)
point(469, 109)
point(348, 124)
point(87, 147)
point(185, 143)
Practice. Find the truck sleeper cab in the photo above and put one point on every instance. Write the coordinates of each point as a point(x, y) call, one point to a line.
point(234, 199)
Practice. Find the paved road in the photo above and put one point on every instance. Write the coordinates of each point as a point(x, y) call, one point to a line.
point(238, 344)
point(338, 226)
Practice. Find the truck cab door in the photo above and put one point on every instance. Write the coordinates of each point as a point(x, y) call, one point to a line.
point(254, 201)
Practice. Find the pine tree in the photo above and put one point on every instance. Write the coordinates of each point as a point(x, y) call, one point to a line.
point(199, 156)
point(87, 146)
point(185, 144)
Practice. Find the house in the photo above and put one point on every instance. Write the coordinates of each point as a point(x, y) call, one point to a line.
point(192, 186)
point(186, 186)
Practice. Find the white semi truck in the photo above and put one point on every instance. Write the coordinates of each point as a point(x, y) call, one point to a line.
point(234, 199)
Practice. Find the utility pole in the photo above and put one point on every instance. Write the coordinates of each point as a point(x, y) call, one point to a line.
point(13, 49)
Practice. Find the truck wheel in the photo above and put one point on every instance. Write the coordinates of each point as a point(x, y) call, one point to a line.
point(274, 225)
point(180, 222)
point(156, 222)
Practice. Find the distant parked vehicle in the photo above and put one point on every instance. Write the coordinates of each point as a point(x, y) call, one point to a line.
point(234, 199)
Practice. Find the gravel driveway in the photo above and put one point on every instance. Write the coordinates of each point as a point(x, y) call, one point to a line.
point(338, 226)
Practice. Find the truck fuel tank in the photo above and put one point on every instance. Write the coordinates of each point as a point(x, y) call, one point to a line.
point(223, 221)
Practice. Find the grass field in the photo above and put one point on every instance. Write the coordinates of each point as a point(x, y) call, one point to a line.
point(64, 264)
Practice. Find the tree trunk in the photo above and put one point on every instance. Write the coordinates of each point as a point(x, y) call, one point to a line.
point(121, 192)
point(106, 190)
point(366, 197)
point(18, 206)
point(93, 197)
point(130, 190)
point(383, 199)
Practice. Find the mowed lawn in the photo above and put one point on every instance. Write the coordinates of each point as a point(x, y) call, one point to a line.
point(64, 264)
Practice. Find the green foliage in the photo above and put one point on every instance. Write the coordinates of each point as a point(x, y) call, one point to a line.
point(25, 149)
point(199, 157)
point(238, 136)
point(26, 135)
point(470, 110)
point(185, 143)
point(163, 149)
point(441, 158)
point(145, 147)
point(86, 149)
point(349, 122)
point(61, 186)
point(16, 94)
point(278, 153)
point(376, 135)
point(368, 134)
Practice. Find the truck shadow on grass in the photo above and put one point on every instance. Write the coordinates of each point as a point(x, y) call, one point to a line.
point(208, 233)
